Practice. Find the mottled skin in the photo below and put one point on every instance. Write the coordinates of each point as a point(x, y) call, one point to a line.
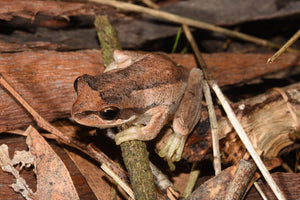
point(145, 92)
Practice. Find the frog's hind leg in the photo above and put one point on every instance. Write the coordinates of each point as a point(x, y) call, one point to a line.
point(186, 117)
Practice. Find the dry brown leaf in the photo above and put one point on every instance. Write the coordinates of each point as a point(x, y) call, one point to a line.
point(53, 178)
point(100, 183)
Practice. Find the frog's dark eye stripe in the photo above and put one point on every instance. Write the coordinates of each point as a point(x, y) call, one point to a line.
point(75, 83)
point(109, 113)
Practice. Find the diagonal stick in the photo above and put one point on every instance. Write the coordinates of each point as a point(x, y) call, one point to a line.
point(233, 119)
point(184, 20)
point(284, 47)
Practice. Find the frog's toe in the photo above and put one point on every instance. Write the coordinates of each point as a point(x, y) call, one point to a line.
point(131, 133)
point(173, 149)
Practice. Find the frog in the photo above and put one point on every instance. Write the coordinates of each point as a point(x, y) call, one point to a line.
point(143, 92)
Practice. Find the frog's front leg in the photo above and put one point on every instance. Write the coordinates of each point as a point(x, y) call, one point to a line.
point(185, 119)
point(159, 116)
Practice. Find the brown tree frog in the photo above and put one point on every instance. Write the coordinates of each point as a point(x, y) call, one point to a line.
point(145, 92)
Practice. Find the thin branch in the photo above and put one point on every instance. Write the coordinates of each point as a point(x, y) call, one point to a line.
point(260, 191)
point(246, 141)
point(241, 179)
point(162, 181)
point(235, 123)
point(150, 4)
point(284, 47)
point(207, 94)
point(134, 153)
point(116, 178)
point(190, 22)
point(214, 129)
point(108, 37)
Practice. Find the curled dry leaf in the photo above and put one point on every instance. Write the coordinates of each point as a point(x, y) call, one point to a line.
point(53, 178)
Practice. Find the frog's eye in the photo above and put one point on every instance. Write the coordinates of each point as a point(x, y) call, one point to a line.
point(109, 113)
point(75, 83)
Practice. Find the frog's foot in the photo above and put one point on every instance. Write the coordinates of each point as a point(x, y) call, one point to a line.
point(132, 133)
point(173, 149)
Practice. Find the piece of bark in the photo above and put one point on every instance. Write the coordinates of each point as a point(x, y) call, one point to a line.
point(136, 31)
point(287, 182)
point(232, 12)
point(238, 175)
point(45, 78)
point(215, 188)
point(268, 122)
point(241, 180)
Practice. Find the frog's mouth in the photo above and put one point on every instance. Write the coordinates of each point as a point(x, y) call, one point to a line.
point(93, 119)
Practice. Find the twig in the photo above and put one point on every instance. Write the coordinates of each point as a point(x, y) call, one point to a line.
point(107, 36)
point(199, 58)
point(241, 179)
point(214, 129)
point(235, 123)
point(135, 157)
point(260, 191)
point(188, 21)
point(123, 185)
point(284, 47)
point(246, 141)
point(286, 167)
point(40, 121)
point(211, 111)
point(134, 153)
point(163, 182)
point(150, 4)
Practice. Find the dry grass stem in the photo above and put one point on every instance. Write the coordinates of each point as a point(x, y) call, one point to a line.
point(260, 191)
point(214, 129)
point(233, 119)
point(119, 181)
point(246, 141)
point(286, 167)
point(188, 21)
point(150, 4)
point(207, 94)
point(284, 47)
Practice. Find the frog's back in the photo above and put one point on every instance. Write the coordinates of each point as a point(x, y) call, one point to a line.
point(154, 79)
